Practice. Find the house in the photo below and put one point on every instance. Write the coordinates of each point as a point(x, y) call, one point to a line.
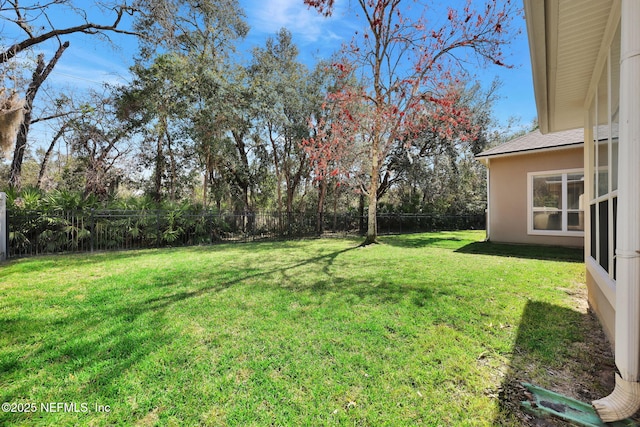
point(586, 69)
point(535, 187)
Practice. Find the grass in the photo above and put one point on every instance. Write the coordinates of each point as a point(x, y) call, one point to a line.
point(423, 329)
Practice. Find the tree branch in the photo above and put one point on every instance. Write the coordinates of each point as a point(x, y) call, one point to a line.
point(21, 22)
point(54, 116)
point(88, 28)
point(45, 159)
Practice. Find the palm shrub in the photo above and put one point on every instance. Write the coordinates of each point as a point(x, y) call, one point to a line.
point(200, 225)
point(25, 226)
point(171, 224)
point(63, 220)
point(127, 223)
point(135, 218)
point(68, 213)
point(197, 225)
point(52, 222)
point(187, 224)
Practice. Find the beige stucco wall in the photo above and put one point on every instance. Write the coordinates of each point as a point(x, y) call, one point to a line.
point(601, 305)
point(508, 194)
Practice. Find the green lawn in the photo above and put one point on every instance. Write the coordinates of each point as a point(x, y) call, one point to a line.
point(420, 330)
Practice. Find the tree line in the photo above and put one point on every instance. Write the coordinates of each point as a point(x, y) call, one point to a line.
point(389, 123)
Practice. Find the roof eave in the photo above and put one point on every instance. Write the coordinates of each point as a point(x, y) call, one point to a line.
point(531, 151)
point(535, 15)
point(568, 44)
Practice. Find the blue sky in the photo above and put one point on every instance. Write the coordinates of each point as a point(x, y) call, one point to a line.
point(318, 37)
point(89, 62)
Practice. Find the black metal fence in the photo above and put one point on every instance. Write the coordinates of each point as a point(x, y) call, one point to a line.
point(32, 233)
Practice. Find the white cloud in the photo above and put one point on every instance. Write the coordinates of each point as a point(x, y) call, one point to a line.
point(84, 66)
point(306, 25)
point(86, 75)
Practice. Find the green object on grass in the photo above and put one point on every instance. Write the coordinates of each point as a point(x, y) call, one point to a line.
point(546, 402)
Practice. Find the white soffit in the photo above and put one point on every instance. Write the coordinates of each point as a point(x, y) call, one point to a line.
point(565, 37)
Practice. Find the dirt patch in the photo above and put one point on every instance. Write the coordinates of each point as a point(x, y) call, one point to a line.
point(585, 371)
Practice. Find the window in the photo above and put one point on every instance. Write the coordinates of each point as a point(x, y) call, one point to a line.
point(603, 164)
point(556, 203)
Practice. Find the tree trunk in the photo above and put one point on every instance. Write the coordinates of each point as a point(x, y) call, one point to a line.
point(335, 208)
point(243, 179)
point(45, 159)
point(292, 178)
point(159, 167)
point(372, 226)
point(159, 170)
point(321, 196)
point(173, 176)
point(247, 222)
point(40, 74)
point(290, 194)
point(361, 213)
point(205, 186)
point(276, 165)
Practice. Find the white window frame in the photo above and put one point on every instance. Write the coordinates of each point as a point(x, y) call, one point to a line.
point(594, 169)
point(565, 231)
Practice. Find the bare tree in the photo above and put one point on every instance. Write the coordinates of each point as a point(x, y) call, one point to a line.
point(34, 25)
point(99, 140)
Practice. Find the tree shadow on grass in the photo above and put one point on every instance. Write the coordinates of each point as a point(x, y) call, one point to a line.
point(326, 260)
point(49, 262)
point(442, 240)
point(92, 344)
point(553, 253)
point(79, 357)
point(561, 350)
